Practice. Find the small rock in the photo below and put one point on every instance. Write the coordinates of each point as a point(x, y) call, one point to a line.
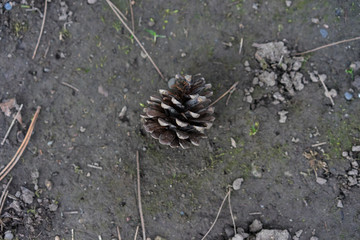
point(266, 234)
point(255, 6)
point(339, 204)
point(27, 195)
point(314, 238)
point(242, 232)
point(82, 129)
point(249, 98)
point(183, 54)
point(332, 93)
point(355, 164)
point(320, 180)
point(46, 70)
point(272, 51)
point(48, 184)
point(255, 172)
point(238, 237)
point(283, 116)
point(298, 234)
point(315, 20)
point(53, 207)
point(278, 96)
point(246, 63)
point(348, 96)
point(233, 142)
point(237, 183)
point(8, 235)
point(57, 237)
point(151, 23)
point(159, 238)
point(355, 66)
point(248, 69)
point(353, 172)
point(297, 65)
point(352, 181)
point(102, 91)
point(313, 77)
point(288, 3)
point(16, 206)
point(91, 1)
point(345, 154)
point(356, 82)
point(288, 174)
point(285, 79)
point(324, 33)
point(255, 226)
point(297, 81)
point(355, 148)
point(268, 78)
point(229, 231)
point(255, 81)
point(295, 140)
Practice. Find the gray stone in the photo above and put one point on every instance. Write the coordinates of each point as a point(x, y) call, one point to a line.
point(297, 81)
point(355, 164)
point(352, 181)
point(27, 195)
point(266, 234)
point(355, 148)
point(229, 231)
point(355, 66)
point(283, 116)
point(255, 81)
point(238, 237)
point(313, 77)
point(255, 226)
point(269, 78)
point(272, 51)
point(246, 63)
point(53, 207)
point(356, 82)
point(91, 1)
point(339, 204)
point(249, 98)
point(288, 3)
point(353, 172)
point(278, 96)
point(237, 183)
point(242, 232)
point(321, 180)
point(8, 235)
point(297, 64)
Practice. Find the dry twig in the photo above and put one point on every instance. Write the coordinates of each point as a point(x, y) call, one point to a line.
point(241, 45)
point(231, 212)
point(116, 11)
point(41, 30)
point(225, 93)
point(132, 14)
point(70, 86)
point(11, 125)
point(327, 93)
point(139, 195)
point(217, 215)
point(22, 147)
point(136, 232)
point(327, 45)
point(118, 232)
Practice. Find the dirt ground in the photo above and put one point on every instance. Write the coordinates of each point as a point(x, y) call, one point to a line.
point(87, 47)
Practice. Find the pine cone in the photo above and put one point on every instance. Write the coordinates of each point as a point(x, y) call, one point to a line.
point(181, 114)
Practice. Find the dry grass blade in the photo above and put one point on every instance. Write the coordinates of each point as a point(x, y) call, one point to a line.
point(231, 212)
point(116, 11)
point(217, 215)
point(328, 45)
point(118, 232)
point(41, 30)
point(136, 232)
point(4, 195)
point(231, 89)
point(22, 147)
point(132, 15)
point(139, 195)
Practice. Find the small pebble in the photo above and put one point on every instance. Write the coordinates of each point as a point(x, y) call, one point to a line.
point(183, 54)
point(8, 235)
point(53, 207)
point(340, 204)
point(8, 6)
point(355, 148)
point(355, 164)
point(348, 96)
point(91, 1)
point(122, 112)
point(345, 154)
point(315, 20)
point(320, 180)
point(48, 184)
point(82, 129)
point(288, 3)
point(323, 33)
point(57, 238)
point(255, 226)
point(246, 64)
point(46, 70)
point(238, 237)
point(237, 183)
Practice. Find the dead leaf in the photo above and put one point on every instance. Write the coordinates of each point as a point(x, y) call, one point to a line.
point(9, 104)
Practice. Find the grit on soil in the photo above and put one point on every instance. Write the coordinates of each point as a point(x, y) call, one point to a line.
point(87, 151)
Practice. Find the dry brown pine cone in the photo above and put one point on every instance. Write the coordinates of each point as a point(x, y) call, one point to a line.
point(181, 114)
